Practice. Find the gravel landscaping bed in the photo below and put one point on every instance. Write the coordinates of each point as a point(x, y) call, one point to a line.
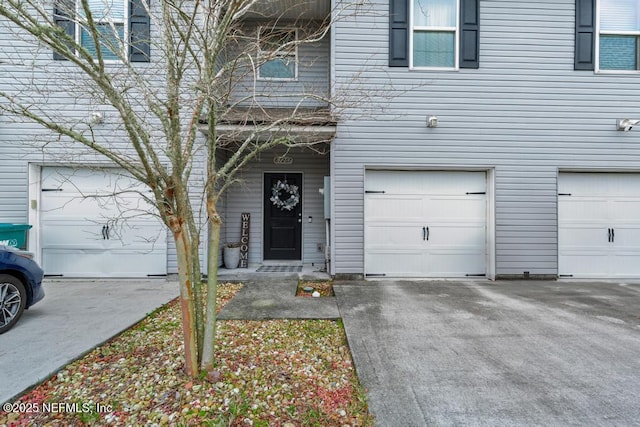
point(269, 373)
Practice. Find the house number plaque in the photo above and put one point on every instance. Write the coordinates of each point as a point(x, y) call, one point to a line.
point(283, 160)
point(244, 240)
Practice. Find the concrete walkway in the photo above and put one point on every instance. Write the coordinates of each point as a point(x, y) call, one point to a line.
point(74, 317)
point(432, 353)
point(272, 296)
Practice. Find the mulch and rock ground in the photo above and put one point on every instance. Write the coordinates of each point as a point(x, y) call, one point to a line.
point(269, 373)
point(324, 288)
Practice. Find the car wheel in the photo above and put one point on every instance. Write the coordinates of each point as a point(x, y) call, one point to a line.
point(13, 298)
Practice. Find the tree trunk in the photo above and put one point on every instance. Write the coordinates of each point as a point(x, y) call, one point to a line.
point(185, 273)
point(208, 349)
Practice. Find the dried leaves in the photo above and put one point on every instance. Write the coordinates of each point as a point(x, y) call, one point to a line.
point(306, 288)
point(279, 372)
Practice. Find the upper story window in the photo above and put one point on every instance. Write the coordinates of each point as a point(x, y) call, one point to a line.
point(434, 33)
point(124, 28)
point(110, 19)
point(618, 35)
point(277, 53)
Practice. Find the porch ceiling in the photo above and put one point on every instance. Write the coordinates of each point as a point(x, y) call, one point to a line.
point(310, 116)
point(302, 124)
point(290, 9)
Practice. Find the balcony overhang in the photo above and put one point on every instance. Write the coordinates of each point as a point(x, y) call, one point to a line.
point(290, 10)
point(302, 125)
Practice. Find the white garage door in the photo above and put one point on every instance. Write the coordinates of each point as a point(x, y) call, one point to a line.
point(94, 223)
point(599, 225)
point(425, 224)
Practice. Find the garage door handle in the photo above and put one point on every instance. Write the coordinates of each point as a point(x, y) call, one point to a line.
point(613, 235)
point(105, 232)
point(609, 235)
point(425, 233)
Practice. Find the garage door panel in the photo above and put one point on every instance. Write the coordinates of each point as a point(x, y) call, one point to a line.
point(448, 264)
point(625, 210)
point(73, 233)
point(584, 209)
point(104, 208)
point(405, 263)
point(621, 184)
point(64, 204)
point(86, 180)
point(452, 183)
point(583, 237)
point(89, 262)
point(101, 263)
point(579, 184)
point(394, 235)
point(464, 208)
point(584, 264)
point(392, 182)
point(624, 264)
point(87, 233)
point(390, 207)
point(455, 235)
point(414, 182)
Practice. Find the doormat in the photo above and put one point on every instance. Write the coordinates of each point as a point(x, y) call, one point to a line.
point(279, 269)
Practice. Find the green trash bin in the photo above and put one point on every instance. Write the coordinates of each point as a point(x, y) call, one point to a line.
point(14, 235)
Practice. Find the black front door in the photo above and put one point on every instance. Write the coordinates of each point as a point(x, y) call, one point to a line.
point(282, 216)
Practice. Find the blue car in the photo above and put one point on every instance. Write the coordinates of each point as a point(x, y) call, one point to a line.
point(20, 285)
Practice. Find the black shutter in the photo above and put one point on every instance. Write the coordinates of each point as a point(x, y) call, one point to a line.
point(398, 33)
point(469, 34)
point(62, 18)
point(585, 35)
point(139, 31)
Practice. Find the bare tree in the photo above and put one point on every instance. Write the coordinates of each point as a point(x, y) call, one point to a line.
point(196, 100)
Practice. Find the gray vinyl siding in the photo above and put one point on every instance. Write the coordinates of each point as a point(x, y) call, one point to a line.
point(247, 196)
point(525, 113)
point(312, 81)
point(21, 64)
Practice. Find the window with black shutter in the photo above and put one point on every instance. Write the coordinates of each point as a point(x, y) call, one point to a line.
point(607, 36)
point(112, 23)
point(434, 34)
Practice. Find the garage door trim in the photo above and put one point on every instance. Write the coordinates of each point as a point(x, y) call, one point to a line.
point(486, 220)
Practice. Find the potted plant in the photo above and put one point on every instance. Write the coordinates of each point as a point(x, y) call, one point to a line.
point(231, 255)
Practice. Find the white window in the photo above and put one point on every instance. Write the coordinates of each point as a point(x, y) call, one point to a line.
point(278, 52)
point(618, 35)
point(110, 19)
point(434, 34)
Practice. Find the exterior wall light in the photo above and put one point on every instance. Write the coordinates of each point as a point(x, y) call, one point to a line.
point(97, 118)
point(626, 125)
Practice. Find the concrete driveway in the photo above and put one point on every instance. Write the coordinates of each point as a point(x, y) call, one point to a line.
point(73, 318)
point(496, 353)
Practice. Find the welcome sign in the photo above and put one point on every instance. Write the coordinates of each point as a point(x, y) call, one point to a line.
point(244, 240)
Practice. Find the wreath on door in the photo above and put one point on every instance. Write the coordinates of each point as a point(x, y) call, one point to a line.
point(285, 196)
